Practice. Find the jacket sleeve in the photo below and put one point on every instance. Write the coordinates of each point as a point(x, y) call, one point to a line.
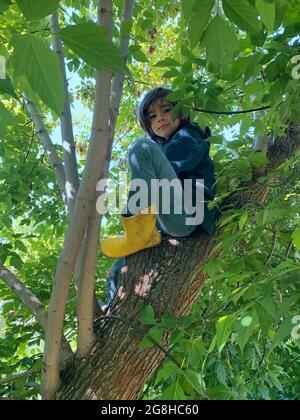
point(187, 151)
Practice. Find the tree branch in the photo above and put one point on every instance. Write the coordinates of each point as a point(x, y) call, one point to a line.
point(19, 375)
point(49, 147)
point(85, 308)
point(290, 245)
point(274, 242)
point(87, 268)
point(85, 202)
point(35, 306)
point(27, 297)
point(67, 135)
point(246, 111)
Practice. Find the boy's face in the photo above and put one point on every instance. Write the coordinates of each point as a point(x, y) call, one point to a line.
point(160, 117)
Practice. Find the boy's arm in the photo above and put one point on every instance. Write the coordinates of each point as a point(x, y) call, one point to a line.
point(187, 151)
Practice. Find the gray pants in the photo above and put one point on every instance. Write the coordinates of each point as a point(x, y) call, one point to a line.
point(147, 161)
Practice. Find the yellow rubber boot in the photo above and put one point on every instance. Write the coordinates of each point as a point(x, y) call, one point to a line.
point(140, 233)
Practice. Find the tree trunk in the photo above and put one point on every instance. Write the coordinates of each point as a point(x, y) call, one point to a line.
point(169, 277)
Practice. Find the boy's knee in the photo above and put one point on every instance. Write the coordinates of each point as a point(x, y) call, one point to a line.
point(141, 145)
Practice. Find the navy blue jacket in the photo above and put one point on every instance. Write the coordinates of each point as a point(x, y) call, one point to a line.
point(188, 152)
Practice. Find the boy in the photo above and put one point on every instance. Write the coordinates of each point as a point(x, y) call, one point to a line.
point(176, 150)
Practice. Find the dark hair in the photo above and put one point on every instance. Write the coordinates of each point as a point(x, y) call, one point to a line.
point(147, 100)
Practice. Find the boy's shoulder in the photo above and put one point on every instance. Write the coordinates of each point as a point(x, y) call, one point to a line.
point(192, 129)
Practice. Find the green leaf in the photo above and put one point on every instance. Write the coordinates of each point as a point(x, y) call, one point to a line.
point(286, 305)
point(220, 392)
point(212, 345)
point(166, 372)
point(5, 352)
point(258, 159)
point(269, 307)
point(138, 54)
point(37, 9)
point(126, 27)
point(221, 373)
point(173, 392)
point(187, 7)
point(4, 5)
point(216, 139)
point(252, 62)
point(200, 20)
point(224, 330)
point(196, 352)
point(89, 42)
point(7, 88)
point(168, 62)
point(6, 119)
point(16, 262)
point(221, 42)
point(272, 71)
point(296, 238)
point(20, 245)
point(195, 379)
point(155, 333)
point(284, 330)
point(267, 13)
point(168, 321)
point(244, 329)
point(147, 316)
point(33, 59)
point(171, 73)
point(242, 14)
point(24, 84)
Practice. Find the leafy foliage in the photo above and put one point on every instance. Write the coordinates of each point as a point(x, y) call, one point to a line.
point(89, 42)
point(37, 9)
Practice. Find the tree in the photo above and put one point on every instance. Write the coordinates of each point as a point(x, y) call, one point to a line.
point(224, 60)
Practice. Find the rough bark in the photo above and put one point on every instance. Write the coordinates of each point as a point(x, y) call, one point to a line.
point(169, 277)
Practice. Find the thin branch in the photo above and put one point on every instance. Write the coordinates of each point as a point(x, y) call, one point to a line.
point(228, 112)
point(34, 305)
point(49, 147)
point(274, 241)
point(19, 375)
point(30, 146)
point(36, 164)
point(258, 367)
point(27, 297)
point(67, 134)
point(50, 207)
point(139, 81)
point(290, 245)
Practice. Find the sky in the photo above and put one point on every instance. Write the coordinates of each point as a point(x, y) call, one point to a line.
point(79, 111)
